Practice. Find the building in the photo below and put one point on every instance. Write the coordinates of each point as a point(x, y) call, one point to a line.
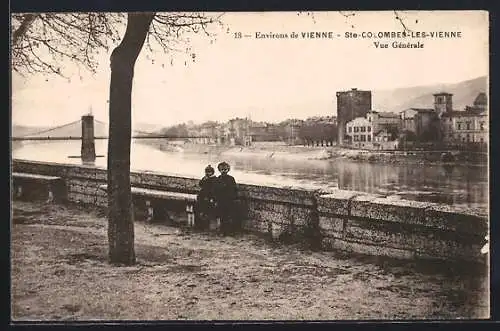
point(384, 121)
point(384, 139)
point(420, 122)
point(260, 131)
point(351, 104)
point(467, 126)
point(363, 132)
point(359, 132)
point(234, 132)
point(210, 130)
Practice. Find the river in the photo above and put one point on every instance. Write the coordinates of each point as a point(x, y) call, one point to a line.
point(458, 185)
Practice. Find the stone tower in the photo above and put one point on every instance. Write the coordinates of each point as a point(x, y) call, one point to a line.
point(351, 104)
point(443, 103)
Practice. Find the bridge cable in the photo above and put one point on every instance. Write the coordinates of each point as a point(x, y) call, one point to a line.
point(48, 130)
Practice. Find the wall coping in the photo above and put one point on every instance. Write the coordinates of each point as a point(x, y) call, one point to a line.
point(323, 196)
point(160, 173)
point(345, 195)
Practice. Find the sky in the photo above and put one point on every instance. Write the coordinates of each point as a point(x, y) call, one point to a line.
point(266, 79)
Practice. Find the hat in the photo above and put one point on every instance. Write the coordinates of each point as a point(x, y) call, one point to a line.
point(223, 165)
point(209, 169)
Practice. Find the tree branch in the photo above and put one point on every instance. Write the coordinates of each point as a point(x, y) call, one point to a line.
point(28, 19)
point(42, 42)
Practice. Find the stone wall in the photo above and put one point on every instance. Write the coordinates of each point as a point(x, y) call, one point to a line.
point(337, 220)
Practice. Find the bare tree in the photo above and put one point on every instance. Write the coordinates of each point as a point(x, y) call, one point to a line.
point(39, 43)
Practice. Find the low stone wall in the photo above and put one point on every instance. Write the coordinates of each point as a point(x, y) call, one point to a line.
point(335, 220)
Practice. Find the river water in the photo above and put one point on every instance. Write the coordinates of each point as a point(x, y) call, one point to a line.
point(457, 185)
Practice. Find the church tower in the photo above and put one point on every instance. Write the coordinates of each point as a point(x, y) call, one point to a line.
point(443, 103)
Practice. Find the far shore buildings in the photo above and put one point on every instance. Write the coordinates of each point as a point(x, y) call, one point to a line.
point(469, 125)
point(440, 124)
point(359, 126)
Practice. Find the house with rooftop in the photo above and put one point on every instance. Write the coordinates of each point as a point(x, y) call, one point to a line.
point(467, 126)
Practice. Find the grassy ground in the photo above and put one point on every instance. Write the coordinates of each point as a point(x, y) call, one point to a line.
point(59, 272)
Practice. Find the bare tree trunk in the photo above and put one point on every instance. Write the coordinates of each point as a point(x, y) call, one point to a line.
point(120, 212)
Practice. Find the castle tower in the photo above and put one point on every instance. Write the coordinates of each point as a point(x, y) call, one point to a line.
point(351, 104)
point(443, 103)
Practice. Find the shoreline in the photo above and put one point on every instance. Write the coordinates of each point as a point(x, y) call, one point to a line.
point(329, 153)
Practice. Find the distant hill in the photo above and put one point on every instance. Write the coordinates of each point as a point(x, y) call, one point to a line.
point(21, 130)
point(396, 100)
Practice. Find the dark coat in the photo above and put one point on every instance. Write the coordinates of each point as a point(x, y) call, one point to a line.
point(227, 190)
point(208, 193)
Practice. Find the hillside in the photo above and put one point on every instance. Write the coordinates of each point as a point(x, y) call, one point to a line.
point(396, 100)
point(21, 130)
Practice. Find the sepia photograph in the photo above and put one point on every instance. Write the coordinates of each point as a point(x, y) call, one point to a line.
point(249, 166)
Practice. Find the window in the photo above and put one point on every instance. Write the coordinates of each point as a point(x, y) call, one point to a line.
point(369, 137)
point(350, 129)
point(482, 140)
point(363, 137)
point(481, 126)
point(356, 129)
point(356, 137)
point(459, 126)
point(468, 125)
point(363, 129)
point(369, 129)
point(468, 137)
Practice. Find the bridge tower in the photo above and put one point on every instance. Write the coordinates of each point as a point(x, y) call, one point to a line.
point(87, 152)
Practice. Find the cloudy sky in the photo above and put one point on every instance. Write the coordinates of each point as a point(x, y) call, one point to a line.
point(266, 79)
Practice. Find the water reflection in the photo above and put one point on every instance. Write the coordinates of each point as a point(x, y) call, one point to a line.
point(459, 185)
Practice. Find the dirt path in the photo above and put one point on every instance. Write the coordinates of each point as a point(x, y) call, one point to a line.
point(59, 272)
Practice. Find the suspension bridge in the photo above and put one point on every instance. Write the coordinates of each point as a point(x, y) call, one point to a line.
point(84, 129)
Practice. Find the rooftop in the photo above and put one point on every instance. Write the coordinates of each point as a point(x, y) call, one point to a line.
point(463, 113)
point(442, 93)
point(387, 114)
point(421, 110)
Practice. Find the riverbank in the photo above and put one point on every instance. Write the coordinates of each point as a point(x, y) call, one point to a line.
point(59, 272)
point(281, 151)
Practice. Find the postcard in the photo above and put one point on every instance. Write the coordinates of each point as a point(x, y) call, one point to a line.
point(250, 166)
